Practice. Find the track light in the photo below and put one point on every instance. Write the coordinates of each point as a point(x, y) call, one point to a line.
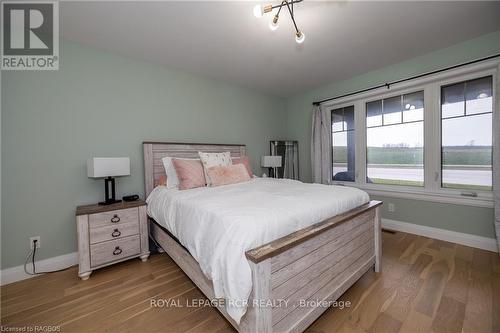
point(260, 10)
point(273, 25)
point(300, 37)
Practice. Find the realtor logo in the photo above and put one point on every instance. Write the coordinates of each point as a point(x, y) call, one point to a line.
point(30, 35)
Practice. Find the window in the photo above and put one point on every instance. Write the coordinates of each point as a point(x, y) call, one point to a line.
point(466, 134)
point(446, 117)
point(395, 140)
point(343, 144)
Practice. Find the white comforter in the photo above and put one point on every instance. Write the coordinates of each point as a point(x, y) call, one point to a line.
point(219, 224)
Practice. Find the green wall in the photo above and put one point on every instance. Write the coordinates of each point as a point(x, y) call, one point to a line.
point(477, 221)
point(466, 219)
point(100, 104)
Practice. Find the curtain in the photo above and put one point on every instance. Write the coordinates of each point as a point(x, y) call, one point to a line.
point(290, 169)
point(496, 157)
point(321, 146)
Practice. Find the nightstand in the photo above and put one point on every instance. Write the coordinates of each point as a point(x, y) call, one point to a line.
point(111, 234)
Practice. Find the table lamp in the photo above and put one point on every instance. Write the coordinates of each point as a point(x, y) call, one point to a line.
point(108, 168)
point(271, 162)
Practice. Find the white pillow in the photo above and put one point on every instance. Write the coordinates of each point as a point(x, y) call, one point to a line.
point(172, 179)
point(214, 159)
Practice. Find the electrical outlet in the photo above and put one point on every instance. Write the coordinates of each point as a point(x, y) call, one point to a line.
point(391, 207)
point(38, 244)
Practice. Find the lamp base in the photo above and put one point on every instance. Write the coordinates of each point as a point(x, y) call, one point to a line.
point(110, 202)
point(109, 199)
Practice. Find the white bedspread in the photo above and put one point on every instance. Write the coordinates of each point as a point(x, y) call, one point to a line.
point(219, 224)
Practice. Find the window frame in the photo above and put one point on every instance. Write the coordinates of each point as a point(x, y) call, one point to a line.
point(431, 86)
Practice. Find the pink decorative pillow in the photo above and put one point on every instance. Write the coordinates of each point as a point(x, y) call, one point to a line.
point(246, 162)
point(161, 181)
point(225, 175)
point(190, 173)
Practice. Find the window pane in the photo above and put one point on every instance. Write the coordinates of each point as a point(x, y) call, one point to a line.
point(339, 152)
point(467, 140)
point(478, 96)
point(343, 146)
point(452, 100)
point(374, 113)
point(395, 154)
point(337, 119)
point(349, 117)
point(413, 106)
point(467, 152)
point(392, 110)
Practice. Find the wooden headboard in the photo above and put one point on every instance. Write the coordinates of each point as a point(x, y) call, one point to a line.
point(155, 151)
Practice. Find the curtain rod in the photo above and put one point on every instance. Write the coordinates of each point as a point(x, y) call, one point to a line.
point(389, 84)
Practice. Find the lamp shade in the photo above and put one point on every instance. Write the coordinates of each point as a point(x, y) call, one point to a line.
point(270, 161)
point(99, 167)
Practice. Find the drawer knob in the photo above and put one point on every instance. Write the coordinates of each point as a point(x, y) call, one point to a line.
point(115, 219)
point(116, 233)
point(117, 251)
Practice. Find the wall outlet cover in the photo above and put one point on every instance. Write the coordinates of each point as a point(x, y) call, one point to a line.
point(38, 243)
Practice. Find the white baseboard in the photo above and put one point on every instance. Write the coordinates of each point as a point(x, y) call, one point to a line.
point(17, 273)
point(485, 243)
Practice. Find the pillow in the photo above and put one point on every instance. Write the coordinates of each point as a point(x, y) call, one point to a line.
point(214, 159)
point(190, 173)
point(246, 162)
point(172, 180)
point(225, 175)
point(162, 181)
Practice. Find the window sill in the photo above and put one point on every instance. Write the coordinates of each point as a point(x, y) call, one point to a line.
point(483, 200)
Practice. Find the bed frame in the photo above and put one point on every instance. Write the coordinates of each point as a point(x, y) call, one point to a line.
point(315, 264)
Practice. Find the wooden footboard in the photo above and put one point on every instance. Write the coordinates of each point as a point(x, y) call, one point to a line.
point(313, 267)
point(299, 271)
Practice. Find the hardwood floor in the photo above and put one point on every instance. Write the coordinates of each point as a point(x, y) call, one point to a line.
point(426, 286)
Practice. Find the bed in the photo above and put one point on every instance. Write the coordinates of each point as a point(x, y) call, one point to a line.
point(287, 274)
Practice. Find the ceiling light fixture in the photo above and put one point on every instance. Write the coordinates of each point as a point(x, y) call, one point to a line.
point(300, 37)
point(260, 10)
point(273, 25)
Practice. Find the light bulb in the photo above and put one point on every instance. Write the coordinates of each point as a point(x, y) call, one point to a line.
point(273, 25)
point(300, 37)
point(257, 11)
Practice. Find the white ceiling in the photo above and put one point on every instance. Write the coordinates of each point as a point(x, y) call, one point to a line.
point(223, 40)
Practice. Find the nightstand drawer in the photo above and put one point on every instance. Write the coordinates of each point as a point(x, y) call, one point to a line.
point(110, 232)
point(110, 251)
point(114, 217)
